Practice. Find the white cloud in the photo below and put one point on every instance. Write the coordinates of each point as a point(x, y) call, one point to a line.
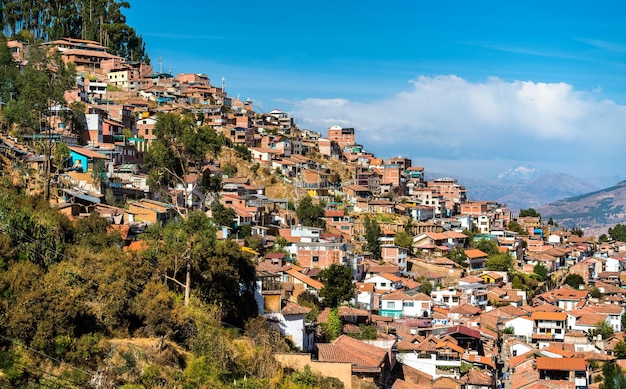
point(448, 118)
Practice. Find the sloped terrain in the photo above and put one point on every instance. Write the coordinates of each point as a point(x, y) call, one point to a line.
point(591, 211)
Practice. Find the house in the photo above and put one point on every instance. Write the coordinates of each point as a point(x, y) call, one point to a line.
point(385, 283)
point(320, 254)
point(433, 356)
point(365, 295)
point(290, 321)
point(342, 136)
point(574, 370)
point(369, 363)
point(476, 259)
point(476, 379)
point(301, 282)
point(521, 326)
point(517, 347)
point(83, 160)
point(448, 297)
point(461, 313)
point(150, 211)
point(380, 206)
point(449, 239)
point(493, 278)
point(396, 255)
point(549, 324)
point(406, 304)
point(582, 320)
point(565, 297)
point(615, 264)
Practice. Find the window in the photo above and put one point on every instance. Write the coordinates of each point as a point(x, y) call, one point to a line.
point(391, 304)
point(383, 284)
point(316, 258)
point(407, 304)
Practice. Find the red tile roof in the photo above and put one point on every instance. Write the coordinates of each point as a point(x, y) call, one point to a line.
point(346, 349)
point(294, 309)
point(464, 330)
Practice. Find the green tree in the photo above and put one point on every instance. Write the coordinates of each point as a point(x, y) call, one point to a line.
point(180, 145)
point(595, 293)
point(93, 233)
point(332, 330)
point(620, 350)
point(310, 214)
point(426, 287)
point(486, 245)
point(603, 238)
point(61, 155)
point(618, 233)
point(574, 280)
point(603, 328)
point(338, 285)
point(623, 321)
point(220, 272)
point(530, 212)
point(458, 255)
point(499, 262)
point(222, 216)
point(614, 378)
point(516, 227)
point(403, 239)
point(577, 231)
point(541, 271)
point(372, 237)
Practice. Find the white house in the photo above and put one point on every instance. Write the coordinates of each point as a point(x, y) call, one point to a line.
point(449, 297)
point(402, 304)
point(517, 347)
point(365, 295)
point(615, 264)
point(550, 323)
point(437, 359)
point(290, 321)
point(385, 283)
point(522, 326)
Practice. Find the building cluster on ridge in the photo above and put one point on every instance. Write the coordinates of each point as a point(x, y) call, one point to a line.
point(439, 322)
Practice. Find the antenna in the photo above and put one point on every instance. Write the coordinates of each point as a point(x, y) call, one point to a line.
point(160, 64)
point(223, 84)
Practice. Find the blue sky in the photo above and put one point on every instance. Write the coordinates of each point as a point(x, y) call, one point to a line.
point(471, 88)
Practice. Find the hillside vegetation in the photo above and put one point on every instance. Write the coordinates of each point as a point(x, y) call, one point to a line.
point(76, 310)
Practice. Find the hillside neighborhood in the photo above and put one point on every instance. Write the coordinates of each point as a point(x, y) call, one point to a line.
point(445, 291)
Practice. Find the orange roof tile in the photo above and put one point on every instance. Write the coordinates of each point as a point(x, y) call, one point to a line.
point(557, 316)
point(475, 253)
point(563, 364)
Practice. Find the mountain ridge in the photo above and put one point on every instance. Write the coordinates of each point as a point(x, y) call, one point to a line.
point(593, 212)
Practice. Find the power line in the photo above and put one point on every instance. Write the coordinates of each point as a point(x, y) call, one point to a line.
point(40, 353)
point(29, 368)
point(123, 282)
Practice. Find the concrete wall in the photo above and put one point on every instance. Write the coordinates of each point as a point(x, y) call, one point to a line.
point(340, 370)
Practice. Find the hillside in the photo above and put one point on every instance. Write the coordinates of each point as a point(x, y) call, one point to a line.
point(594, 212)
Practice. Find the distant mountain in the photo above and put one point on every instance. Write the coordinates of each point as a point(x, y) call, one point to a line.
point(593, 212)
point(525, 191)
point(520, 173)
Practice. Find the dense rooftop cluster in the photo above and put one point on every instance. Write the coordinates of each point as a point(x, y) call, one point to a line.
point(446, 291)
